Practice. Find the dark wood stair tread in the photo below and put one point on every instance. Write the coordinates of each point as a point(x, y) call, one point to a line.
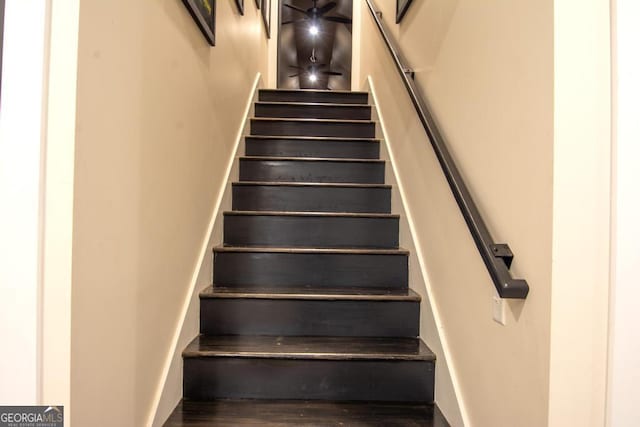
point(338, 91)
point(265, 413)
point(303, 293)
point(305, 120)
point(325, 348)
point(313, 104)
point(237, 249)
point(312, 138)
point(310, 184)
point(309, 159)
point(312, 214)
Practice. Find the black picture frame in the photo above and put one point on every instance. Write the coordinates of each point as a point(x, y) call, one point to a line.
point(240, 6)
point(265, 6)
point(258, 4)
point(204, 13)
point(401, 9)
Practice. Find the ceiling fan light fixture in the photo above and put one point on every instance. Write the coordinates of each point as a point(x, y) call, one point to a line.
point(313, 77)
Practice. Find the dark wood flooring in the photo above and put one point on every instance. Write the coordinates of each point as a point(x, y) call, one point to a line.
point(303, 414)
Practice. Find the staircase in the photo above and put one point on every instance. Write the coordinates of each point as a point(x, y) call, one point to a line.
point(310, 320)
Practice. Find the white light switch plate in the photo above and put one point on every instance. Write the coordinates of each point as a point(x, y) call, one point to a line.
point(498, 310)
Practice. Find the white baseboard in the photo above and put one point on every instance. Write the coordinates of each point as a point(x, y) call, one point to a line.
point(169, 390)
point(432, 330)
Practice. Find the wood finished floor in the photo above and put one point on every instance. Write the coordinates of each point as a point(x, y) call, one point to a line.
point(303, 414)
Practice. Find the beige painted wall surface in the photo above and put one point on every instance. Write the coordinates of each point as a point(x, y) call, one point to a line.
point(158, 113)
point(487, 68)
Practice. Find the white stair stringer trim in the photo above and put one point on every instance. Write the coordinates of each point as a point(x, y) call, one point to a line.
point(445, 362)
point(202, 272)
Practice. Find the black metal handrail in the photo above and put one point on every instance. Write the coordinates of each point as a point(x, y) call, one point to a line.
point(497, 257)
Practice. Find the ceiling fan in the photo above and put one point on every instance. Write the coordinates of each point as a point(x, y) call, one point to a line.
point(314, 13)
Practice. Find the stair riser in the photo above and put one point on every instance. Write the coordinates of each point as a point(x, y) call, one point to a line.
point(327, 97)
point(313, 148)
point(317, 270)
point(311, 171)
point(289, 317)
point(238, 378)
point(355, 112)
point(299, 231)
point(311, 199)
point(313, 128)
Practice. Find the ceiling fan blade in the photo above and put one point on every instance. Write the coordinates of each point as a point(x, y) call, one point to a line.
point(293, 21)
point(340, 19)
point(297, 9)
point(296, 67)
point(294, 75)
point(331, 73)
point(327, 7)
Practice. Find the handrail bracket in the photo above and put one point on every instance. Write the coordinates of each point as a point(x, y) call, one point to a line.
point(409, 72)
point(502, 250)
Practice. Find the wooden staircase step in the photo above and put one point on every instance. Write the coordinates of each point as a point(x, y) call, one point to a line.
point(310, 229)
point(296, 169)
point(321, 348)
point(313, 127)
point(280, 146)
point(334, 96)
point(311, 293)
point(313, 110)
point(313, 197)
point(313, 267)
point(326, 368)
point(225, 312)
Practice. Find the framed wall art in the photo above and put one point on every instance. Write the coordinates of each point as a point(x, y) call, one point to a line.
point(401, 8)
point(204, 13)
point(240, 6)
point(265, 6)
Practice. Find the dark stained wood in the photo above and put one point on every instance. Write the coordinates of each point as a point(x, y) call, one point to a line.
point(313, 110)
point(328, 230)
point(337, 294)
point(302, 267)
point(310, 299)
point(334, 97)
point(274, 169)
point(327, 348)
point(273, 146)
point(303, 379)
point(313, 127)
point(304, 414)
point(343, 251)
point(311, 197)
point(224, 315)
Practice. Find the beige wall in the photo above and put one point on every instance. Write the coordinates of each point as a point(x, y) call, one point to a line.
point(488, 70)
point(158, 114)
